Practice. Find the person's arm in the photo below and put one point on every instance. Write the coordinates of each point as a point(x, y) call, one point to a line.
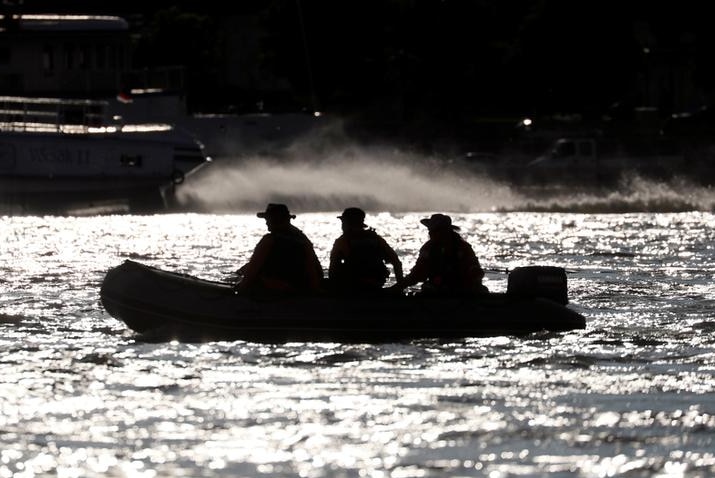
point(337, 253)
point(473, 272)
point(253, 268)
point(418, 272)
point(391, 257)
point(313, 268)
point(475, 268)
point(478, 271)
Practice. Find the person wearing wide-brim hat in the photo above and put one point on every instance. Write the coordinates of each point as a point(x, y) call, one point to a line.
point(359, 255)
point(284, 260)
point(446, 263)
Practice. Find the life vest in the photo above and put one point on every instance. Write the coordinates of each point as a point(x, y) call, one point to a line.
point(446, 265)
point(364, 265)
point(284, 268)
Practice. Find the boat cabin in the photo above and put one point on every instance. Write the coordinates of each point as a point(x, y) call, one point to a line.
point(63, 55)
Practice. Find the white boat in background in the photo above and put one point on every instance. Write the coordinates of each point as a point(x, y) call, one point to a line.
point(66, 156)
point(63, 147)
point(127, 139)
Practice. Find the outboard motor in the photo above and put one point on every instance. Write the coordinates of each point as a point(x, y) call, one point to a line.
point(539, 281)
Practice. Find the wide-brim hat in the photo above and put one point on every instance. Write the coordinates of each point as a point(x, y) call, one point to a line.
point(276, 210)
point(353, 215)
point(439, 221)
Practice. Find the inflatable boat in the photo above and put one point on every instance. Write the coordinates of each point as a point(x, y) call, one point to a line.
point(162, 305)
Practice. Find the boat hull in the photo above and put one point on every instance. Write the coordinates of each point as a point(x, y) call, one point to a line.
point(74, 195)
point(163, 305)
point(60, 172)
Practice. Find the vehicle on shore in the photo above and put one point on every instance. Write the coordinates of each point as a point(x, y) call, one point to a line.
point(595, 161)
point(604, 160)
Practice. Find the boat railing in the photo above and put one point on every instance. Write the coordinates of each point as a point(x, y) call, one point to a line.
point(56, 115)
point(165, 78)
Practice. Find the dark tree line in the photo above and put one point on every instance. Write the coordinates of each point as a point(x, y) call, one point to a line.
point(436, 63)
point(450, 63)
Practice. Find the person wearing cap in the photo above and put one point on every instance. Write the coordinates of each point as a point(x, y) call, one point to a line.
point(446, 263)
point(358, 256)
point(284, 260)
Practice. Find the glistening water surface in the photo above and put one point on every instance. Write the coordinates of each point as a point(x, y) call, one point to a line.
point(631, 394)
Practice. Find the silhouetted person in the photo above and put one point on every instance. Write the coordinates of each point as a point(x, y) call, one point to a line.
point(446, 263)
point(358, 256)
point(284, 260)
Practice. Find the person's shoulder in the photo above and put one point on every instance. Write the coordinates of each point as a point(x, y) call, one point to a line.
point(426, 247)
point(371, 233)
point(459, 239)
point(380, 239)
point(466, 242)
point(292, 228)
point(265, 243)
point(465, 246)
point(295, 231)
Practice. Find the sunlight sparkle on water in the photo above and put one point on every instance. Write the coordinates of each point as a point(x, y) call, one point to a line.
point(81, 396)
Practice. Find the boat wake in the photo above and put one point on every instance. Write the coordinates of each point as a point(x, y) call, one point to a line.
point(633, 194)
point(372, 179)
point(315, 180)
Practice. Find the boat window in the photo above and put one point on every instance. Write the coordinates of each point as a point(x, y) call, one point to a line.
point(5, 55)
point(84, 55)
point(73, 115)
point(120, 58)
point(48, 59)
point(112, 60)
point(130, 160)
point(10, 81)
point(101, 57)
point(69, 56)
